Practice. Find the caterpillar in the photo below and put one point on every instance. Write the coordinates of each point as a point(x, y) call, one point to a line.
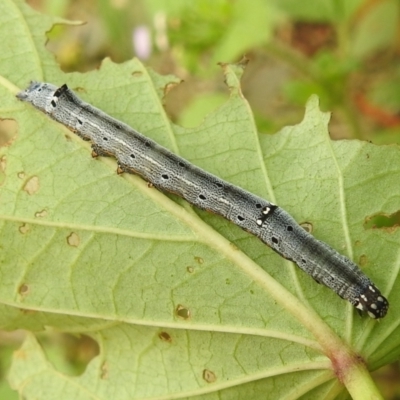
point(168, 172)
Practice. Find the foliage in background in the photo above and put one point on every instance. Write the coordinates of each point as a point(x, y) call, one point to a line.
point(344, 51)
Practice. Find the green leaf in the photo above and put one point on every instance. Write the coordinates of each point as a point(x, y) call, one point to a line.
point(250, 27)
point(377, 29)
point(181, 302)
point(319, 10)
point(194, 113)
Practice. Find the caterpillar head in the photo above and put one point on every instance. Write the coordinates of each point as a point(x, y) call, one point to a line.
point(372, 302)
point(39, 94)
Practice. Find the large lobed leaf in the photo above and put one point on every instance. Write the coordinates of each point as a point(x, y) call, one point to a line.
point(182, 303)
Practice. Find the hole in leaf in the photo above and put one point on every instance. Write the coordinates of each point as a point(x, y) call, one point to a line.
point(307, 226)
point(182, 312)
point(69, 354)
point(383, 221)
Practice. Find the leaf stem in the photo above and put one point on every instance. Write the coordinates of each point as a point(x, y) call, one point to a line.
point(359, 382)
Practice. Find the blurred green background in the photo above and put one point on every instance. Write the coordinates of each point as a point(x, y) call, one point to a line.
point(346, 51)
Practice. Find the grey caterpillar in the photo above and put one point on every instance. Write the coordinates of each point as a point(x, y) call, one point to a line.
point(165, 170)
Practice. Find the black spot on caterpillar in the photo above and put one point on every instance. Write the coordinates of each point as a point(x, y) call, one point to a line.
point(270, 223)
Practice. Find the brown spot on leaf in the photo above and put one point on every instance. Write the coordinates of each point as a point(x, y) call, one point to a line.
point(32, 185)
point(73, 239)
point(165, 337)
point(168, 87)
point(104, 371)
point(233, 246)
point(20, 354)
point(8, 131)
point(3, 163)
point(41, 214)
point(80, 89)
point(209, 376)
point(24, 228)
point(26, 311)
point(23, 289)
point(363, 260)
